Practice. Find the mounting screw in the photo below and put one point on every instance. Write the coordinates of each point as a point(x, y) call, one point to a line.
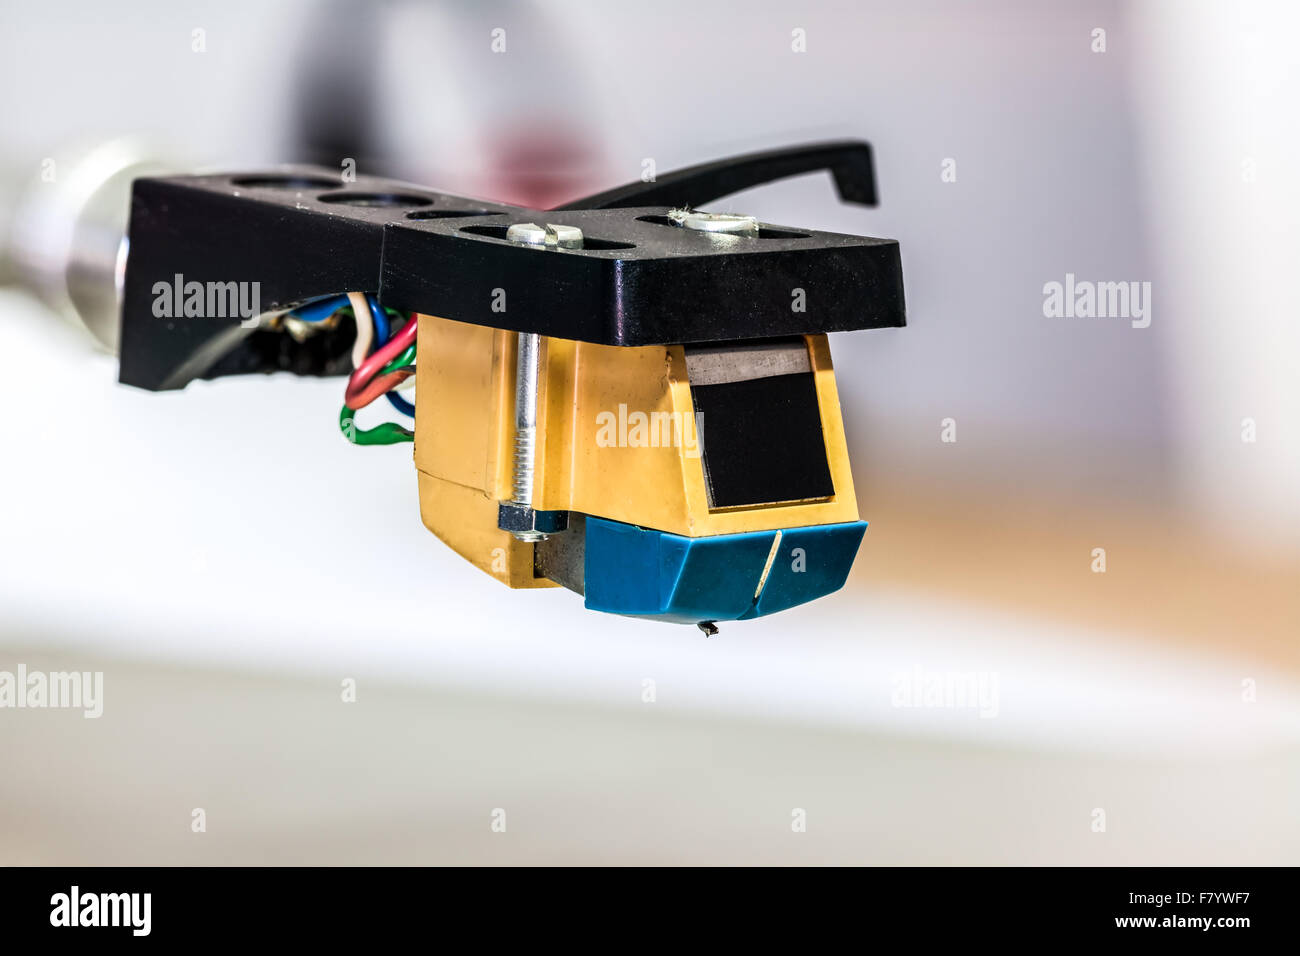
point(716, 222)
point(550, 235)
point(517, 515)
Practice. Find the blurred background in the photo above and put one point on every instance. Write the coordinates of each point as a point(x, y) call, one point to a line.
point(228, 562)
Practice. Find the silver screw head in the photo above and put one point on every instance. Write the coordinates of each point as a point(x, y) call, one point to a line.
point(715, 222)
point(551, 236)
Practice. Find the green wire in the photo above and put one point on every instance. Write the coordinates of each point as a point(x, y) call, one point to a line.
point(406, 358)
point(389, 433)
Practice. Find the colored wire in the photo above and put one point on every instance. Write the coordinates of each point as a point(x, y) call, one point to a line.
point(374, 363)
point(389, 433)
point(376, 373)
point(380, 318)
point(380, 385)
point(396, 372)
point(403, 360)
point(397, 401)
point(318, 310)
point(381, 337)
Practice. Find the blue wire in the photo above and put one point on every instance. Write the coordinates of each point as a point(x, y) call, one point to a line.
point(318, 310)
point(381, 336)
point(381, 321)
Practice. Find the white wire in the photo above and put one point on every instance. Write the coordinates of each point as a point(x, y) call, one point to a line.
point(365, 327)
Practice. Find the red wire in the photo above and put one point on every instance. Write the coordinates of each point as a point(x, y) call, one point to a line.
point(385, 383)
point(377, 360)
